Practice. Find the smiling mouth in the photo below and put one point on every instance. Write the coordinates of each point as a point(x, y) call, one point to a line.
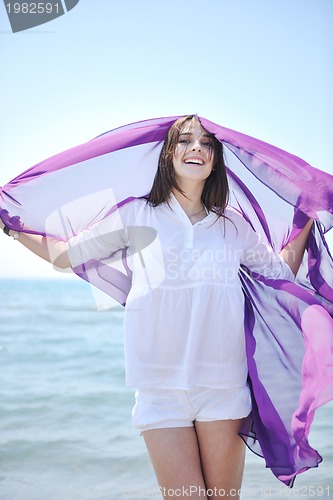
point(193, 161)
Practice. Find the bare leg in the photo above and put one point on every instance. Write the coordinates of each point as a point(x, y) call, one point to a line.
point(222, 454)
point(175, 457)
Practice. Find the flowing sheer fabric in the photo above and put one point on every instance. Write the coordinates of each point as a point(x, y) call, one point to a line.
point(288, 326)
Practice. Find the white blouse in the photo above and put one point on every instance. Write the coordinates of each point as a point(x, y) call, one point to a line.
point(184, 318)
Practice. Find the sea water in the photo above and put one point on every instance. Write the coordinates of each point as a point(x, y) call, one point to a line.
point(65, 412)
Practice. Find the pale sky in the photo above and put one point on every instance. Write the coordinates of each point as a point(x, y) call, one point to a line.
point(262, 67)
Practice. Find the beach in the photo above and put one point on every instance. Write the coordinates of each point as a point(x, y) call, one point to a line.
point(65, 421)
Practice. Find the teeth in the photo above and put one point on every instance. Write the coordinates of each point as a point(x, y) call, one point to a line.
point(198, 162)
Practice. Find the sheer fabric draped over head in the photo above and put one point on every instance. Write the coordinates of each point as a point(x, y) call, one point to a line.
point(288, 326)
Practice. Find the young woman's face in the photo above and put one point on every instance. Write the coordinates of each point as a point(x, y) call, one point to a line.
point(194, 154)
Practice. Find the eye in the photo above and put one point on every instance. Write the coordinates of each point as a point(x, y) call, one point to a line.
point(208, 144)
point(183, 141)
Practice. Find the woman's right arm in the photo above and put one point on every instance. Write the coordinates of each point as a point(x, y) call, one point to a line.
point(99, 241)
point(49, 249)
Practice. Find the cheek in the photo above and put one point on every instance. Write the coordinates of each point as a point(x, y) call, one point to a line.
point(210, 155)
point(176, 162)
point(180, 150)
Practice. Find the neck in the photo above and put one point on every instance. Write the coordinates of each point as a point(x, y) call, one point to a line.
point(191, 203)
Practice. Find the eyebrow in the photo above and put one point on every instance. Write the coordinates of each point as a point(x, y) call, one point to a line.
point(190, 133)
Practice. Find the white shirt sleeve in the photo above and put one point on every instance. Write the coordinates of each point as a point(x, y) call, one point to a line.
point(101, 240)
point(260, 258)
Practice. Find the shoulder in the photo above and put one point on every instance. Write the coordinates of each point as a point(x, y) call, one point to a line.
point(131, 207)
point(235, 217)
point(236, 226)
point(132, 203)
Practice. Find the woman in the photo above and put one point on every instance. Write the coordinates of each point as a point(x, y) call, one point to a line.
point(184, 320)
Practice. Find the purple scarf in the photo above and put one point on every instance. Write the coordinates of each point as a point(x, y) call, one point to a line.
point(288, 326)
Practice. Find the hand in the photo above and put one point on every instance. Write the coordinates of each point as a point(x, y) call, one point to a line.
point(1, 224)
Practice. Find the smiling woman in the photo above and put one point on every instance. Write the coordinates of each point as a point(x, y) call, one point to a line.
point(188, 144)
point(183, 221)
point(193, 162)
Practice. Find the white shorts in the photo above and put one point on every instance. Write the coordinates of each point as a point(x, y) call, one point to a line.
point(165, 408)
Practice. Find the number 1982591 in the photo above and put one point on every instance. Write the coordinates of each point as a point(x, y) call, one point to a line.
point(32, 8)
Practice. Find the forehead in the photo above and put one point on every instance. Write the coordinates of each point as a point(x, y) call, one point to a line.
point(193, 127)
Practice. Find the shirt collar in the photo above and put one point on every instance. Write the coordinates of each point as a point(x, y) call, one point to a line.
point(178, 210)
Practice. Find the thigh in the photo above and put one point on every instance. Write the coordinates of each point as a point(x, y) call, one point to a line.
point(222, 454)
point(175, 457)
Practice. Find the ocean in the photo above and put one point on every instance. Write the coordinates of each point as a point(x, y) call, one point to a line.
point(65, 412)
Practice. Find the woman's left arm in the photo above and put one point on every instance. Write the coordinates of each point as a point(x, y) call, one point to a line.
point(293, 253)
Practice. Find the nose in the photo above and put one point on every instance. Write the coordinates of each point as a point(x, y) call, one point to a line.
point(196, 146)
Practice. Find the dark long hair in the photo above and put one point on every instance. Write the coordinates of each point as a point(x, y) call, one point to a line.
point(215, 194)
